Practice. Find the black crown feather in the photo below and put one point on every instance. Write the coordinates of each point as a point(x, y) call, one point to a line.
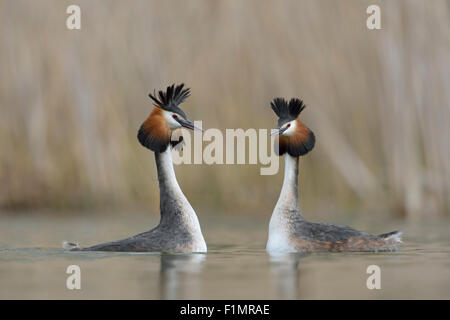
point(287, 111)
point(170, 99)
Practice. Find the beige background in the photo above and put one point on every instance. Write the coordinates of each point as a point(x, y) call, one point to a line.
point(378, 101)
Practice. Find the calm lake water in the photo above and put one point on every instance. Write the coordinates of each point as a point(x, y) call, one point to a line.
point(33, 265)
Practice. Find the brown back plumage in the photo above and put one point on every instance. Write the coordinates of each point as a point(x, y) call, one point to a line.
point(355, 244)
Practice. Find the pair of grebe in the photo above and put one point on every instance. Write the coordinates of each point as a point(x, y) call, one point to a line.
point(179, 229)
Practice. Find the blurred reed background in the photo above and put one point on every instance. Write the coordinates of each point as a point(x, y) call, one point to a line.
point(378, 101)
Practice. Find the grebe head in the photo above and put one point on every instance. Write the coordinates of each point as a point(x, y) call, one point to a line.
point(293, 136)
point(156, 132)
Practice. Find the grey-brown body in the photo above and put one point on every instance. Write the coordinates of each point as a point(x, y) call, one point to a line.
point(178, 230)
point(290, 232)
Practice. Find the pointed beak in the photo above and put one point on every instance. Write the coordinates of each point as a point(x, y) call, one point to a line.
point(278, 131)
point(188, 124)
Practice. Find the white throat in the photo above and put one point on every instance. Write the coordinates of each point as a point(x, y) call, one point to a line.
point(165, 169)
point(288, 199)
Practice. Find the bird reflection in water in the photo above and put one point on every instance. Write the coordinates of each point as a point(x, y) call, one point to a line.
point(284, 268)
point(180, 276)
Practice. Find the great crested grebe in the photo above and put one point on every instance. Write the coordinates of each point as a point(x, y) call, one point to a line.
point(179, 229)
point(288, 230)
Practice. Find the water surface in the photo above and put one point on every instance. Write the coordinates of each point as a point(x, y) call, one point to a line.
point(33, 265)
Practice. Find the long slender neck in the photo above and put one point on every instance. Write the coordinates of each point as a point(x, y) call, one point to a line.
point(288, 200)
point(168, 184)
point(287, 212)
point(174, 206)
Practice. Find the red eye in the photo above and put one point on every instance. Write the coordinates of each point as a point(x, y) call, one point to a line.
point(174, 116)
point(288, 125)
